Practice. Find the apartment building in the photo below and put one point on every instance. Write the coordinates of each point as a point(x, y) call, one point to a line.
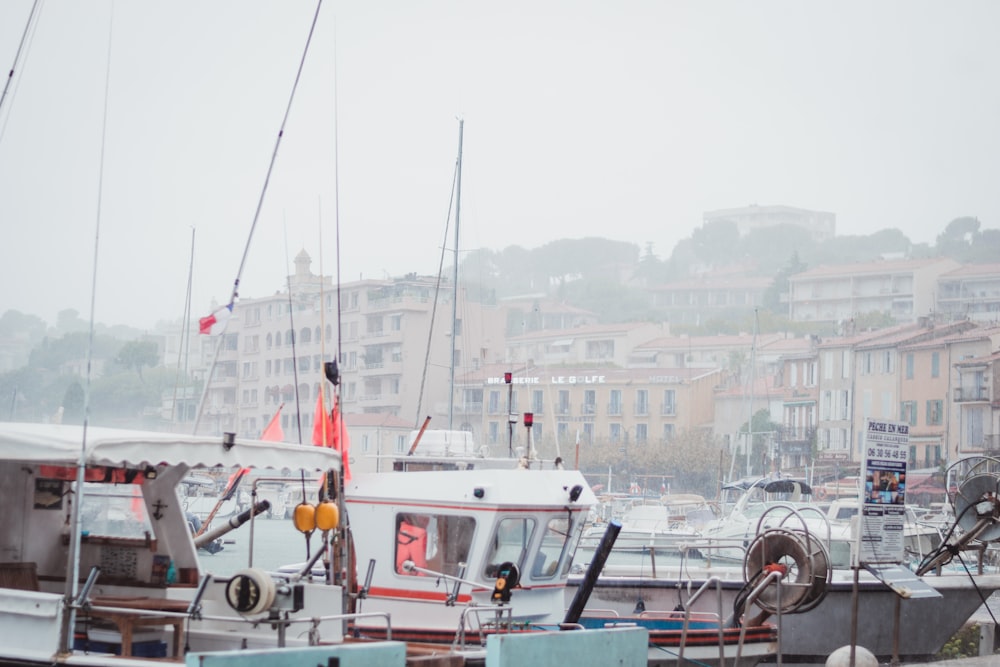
point(536, 312)
point(587, 345)
point(798, 383)
point(906, 289)
point(971, 412)
point(375, 439)
point(970, 292)
point(735, 406)
point(600, 405)
point(923, 399)
point(274, 348)
point(731, 352)
point(699, 300)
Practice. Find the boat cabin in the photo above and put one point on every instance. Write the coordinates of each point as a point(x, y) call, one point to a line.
point(447, 536)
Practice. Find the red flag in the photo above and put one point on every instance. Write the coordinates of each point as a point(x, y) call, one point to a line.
point(322, 423)
point(341, 440)
point(273, 431)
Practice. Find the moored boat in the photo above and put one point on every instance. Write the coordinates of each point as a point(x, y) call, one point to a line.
point(895, 616)
point(128, 559)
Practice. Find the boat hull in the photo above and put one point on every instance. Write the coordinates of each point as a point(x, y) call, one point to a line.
point(924, 625)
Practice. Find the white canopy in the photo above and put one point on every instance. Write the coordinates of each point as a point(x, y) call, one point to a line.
point(61, 444)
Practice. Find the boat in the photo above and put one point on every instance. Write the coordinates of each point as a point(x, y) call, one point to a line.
point(905, 612)
point(663, 526)
point(135, 572)
point(440, 546)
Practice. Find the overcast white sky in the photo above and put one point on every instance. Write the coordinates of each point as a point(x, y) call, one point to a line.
point(624, 120)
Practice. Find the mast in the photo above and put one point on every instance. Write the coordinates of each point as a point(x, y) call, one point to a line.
point(454, 279)
point(753, 380)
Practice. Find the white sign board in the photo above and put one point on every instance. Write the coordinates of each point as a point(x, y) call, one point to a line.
point(883, 513)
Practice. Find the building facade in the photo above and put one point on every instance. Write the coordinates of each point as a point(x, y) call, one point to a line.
point(905, 289)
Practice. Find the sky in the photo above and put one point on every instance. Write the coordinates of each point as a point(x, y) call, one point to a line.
point(132, 132)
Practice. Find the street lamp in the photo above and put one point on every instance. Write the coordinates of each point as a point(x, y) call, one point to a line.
point(508, 379)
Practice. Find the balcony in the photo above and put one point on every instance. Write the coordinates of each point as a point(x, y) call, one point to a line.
point(471, 407)
point(614, 409)
point(668, 410)
point(588, 408)
point(796, 434)
point(562, 409)
point(965, 394)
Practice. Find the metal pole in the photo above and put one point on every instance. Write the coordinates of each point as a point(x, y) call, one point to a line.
point(454, 298)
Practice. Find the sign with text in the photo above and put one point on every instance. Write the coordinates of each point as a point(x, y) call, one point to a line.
point(883, 494)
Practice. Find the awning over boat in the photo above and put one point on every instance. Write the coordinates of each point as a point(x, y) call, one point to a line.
point(769, 485)
point(61, 444)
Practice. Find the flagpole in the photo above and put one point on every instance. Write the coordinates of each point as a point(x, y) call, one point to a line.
point(256, 215)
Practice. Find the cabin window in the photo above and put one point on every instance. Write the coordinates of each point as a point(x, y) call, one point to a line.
point(114, 510)
point(509, 544)
point(433, 542)
point(555, 544)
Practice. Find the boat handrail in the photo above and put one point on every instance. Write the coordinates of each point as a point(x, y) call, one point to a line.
point(410, 567)
point(711, 582)
point(498, 611)
point(587, 611)
point(251, 620)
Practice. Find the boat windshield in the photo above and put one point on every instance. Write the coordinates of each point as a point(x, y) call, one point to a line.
point(114, 510)
point(553, 551)
point(509, 544)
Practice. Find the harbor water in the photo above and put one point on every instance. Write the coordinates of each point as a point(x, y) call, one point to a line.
point(275, 543)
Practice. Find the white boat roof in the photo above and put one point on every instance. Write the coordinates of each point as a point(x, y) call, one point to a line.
point(510, 488)
point(62, 444)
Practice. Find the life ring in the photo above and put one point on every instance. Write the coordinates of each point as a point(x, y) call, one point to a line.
point(820, 493)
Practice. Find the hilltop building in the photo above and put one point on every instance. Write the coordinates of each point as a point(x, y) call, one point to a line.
point(905, 289)
point(821, 225)
point(970, 292)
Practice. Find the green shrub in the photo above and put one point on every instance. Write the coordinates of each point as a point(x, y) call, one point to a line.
point(964, 644)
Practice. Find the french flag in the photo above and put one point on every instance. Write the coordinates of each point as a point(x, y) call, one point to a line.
point(215, 323)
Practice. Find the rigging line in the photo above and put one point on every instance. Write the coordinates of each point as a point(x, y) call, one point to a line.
point(291, 323)
point(437, 292)
point(274, 153)
point(73, 565)
point(185, 331)
point(336, 214)
point(17, 55)
point(322, 320)
point(256, 217)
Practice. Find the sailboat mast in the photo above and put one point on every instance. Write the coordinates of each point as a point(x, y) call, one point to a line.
point(454, 280)
point(753, 380)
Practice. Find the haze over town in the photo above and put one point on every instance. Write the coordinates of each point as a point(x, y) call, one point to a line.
point(624, 120)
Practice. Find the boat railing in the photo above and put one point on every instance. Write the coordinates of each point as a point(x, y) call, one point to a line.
point(715, 584)
point(502, 622)
point(281, 623)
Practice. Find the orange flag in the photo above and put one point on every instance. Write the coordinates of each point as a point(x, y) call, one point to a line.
point(322, 423)
point(341, 440)
point(273, 431)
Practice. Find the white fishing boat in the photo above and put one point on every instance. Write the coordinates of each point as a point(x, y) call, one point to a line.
point(79, 588)
point(456, 553)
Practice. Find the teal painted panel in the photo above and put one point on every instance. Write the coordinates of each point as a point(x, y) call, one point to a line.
point(378, 654)
point(611, 647)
